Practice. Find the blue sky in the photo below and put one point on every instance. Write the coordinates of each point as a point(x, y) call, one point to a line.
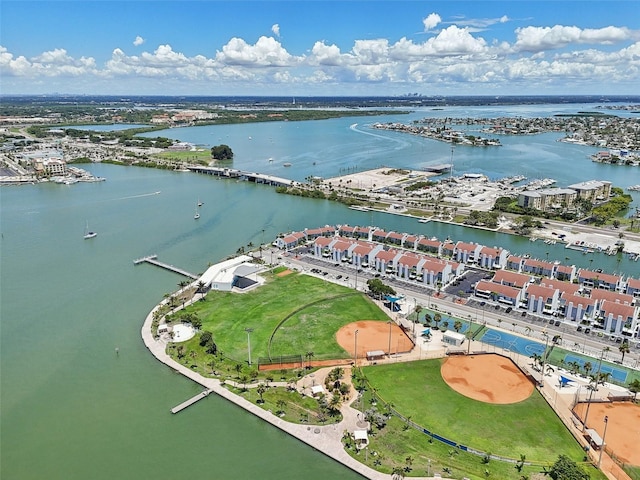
point(200, 47)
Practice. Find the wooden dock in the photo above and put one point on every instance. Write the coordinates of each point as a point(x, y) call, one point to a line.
point(153, 260)
point(191, 401)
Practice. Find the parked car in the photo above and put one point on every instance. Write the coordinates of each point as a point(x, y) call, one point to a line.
point(579, 328)
point(508, 310)
point(523, 314)
point(587, 330)
point(557, 323)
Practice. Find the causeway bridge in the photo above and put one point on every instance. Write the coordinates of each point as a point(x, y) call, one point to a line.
point(244, 176)
point(153, 260)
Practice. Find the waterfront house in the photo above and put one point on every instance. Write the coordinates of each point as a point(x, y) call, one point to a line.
point(379, 235)
point(346, 231)
point(321, 247)
point(607, 295)
point(395, 238)
point(447, 249)
point(363, 232)
point(514, 263)
point(430, 245)
point(492, 258)
point(326, 231)
point(408, 266)
point(437, 272)
point(467, 252)
point(410, 242)
point(590, 279)
point(363, 253)
point(565, 272)
point(290, 241)
point(538, 267)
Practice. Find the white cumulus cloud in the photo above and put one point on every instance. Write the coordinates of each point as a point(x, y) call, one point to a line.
point(266, 52)
point(534, 39)
point(431, 21)
point(138, 41)
point(275, 28)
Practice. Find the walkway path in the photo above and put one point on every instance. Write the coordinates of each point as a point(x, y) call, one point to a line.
point(326, 439)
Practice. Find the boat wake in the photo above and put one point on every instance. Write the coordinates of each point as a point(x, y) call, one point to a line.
point(139, 196)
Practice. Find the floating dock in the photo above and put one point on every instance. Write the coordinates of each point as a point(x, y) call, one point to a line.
point(191, 401)
point(153, 260)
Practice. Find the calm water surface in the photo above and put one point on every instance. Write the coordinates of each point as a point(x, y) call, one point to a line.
point(73, 409)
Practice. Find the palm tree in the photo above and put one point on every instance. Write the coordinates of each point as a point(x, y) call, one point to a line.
point(624, 348)
point(418, 310)
point(397, 473)
point(436, 318)
point(457, 325)
point(309, 356)
point(587, 367)
point(634, 387)
point(260, 389)
point(280, 404)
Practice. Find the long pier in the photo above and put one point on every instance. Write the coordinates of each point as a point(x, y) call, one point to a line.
point(153, 260)
point(191, 401)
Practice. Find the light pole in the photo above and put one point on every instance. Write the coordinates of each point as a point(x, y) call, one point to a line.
point(249, 330)
point(606, 422)
point(469, 337)
point(355, 349)
point(544, 357)
point(594, 388)
point(389, 350)
point(428, 467)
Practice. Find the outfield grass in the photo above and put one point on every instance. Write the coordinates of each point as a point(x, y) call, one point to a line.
point(528, 428)
point(316, 311)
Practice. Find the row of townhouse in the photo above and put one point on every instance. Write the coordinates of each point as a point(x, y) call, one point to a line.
point(541, 268)
point(462, 252)
point(612, 311)
point(403, 264)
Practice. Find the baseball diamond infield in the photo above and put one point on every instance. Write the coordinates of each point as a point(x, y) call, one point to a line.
point(623, 427)
point(488, 378)
point(373, 335)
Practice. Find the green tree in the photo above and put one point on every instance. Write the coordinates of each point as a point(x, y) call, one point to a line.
point(457, 325)
point(567, 469)
point(260, 389)
point(624, 348)
point(205, 337)
point(222, 152)
point(437, 317)
point(634, 387)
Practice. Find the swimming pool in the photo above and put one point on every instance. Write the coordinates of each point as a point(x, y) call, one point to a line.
point(617, 373)
point(505, 340)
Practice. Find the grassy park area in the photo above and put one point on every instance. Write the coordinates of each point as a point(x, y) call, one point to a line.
point(528, 428)
point(292, 314)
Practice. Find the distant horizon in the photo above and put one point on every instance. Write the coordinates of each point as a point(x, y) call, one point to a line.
point(320, 48)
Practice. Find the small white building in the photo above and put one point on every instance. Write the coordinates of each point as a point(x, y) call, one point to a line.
point(453, 338)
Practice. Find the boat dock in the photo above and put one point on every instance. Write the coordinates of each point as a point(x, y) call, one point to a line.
point(191, 401)
point(153, 260)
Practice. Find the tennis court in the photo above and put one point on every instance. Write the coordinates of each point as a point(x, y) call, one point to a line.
point(618, 374)
point(513, 343)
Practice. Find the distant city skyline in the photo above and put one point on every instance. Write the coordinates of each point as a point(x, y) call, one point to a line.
point(362, 48)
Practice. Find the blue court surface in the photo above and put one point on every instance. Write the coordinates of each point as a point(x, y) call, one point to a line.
point(513, 343)
point(618, 374)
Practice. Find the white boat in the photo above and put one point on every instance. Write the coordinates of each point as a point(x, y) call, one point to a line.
point(286, 164)
point(423, 220)
point(197, 215)
point(200, 203)
point(88, 233)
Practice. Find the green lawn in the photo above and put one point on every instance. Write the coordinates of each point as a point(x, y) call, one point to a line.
point(314, 311)
point(528, 428)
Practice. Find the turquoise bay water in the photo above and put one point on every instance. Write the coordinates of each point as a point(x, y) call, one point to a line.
point(73, 409)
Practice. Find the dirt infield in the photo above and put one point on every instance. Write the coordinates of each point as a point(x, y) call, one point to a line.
point(623, 427)
point(488, 378)
point(284, 273)
point(373, 335)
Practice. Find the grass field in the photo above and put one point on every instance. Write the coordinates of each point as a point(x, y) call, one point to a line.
point(314, 311)
point(528, 428)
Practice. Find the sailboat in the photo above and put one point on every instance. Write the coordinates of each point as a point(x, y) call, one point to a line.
point(200, 203)
point(88, 233)
point(197, 215)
